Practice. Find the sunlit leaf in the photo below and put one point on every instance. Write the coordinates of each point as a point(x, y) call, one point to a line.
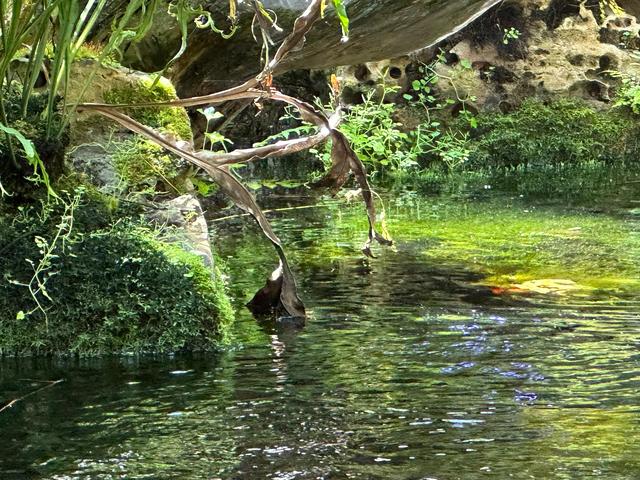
point(343, 17)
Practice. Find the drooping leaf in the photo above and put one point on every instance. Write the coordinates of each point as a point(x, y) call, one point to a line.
point(40, 174)
point(341, 11)
point(280, 288)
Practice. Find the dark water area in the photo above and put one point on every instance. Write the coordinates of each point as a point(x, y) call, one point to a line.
point(495, 340)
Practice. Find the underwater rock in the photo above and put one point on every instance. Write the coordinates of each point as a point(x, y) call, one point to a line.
point(290, 323)
point(555, 286)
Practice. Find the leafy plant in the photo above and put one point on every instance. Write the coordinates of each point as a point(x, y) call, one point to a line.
point(423, 94)
point(213, 137)
point(375, 134)
point(49, 250)
point(39, 170)
point(559, 132)
point(510, 34)
point(629, 95)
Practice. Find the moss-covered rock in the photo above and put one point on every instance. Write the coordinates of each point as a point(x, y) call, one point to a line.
point(148, 89)
point(141, 163)
point(120, 160)
point(109, 286)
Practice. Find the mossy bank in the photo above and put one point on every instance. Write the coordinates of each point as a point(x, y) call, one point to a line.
point(80, 279)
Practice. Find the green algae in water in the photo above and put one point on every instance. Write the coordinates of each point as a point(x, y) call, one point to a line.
point(505, 241)
point(511, 243)
point(500, 242)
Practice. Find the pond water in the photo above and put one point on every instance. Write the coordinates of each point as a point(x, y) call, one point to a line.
point(495, 340)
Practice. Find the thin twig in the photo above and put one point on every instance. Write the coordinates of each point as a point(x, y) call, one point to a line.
point(50, 383)
point(285, 209)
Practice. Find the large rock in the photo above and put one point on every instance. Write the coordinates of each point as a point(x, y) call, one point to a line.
point(380, 29)
point(559, 52)
point(191, 234)
point(569, 58)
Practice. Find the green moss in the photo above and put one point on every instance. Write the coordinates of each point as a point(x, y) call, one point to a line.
point(92, 51)
point(166, 119)
point(140, 162)
point(115, 287)
point(208, 284)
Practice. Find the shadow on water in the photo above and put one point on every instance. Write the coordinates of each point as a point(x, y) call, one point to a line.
point(496, 340)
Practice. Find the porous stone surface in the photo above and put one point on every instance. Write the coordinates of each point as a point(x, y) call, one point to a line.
point(560, 51)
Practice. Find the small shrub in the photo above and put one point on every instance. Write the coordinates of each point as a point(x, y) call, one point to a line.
point(557, 133)
point(629, 95)
point(376, 136)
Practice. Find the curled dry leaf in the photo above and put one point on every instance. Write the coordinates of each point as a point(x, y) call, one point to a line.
point(280, 292)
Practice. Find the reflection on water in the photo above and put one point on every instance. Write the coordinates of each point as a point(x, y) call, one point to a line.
point(414, 365)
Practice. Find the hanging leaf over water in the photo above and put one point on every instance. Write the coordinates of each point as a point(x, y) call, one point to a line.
point(280, 292)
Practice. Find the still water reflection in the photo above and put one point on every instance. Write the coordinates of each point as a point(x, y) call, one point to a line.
point(422, 364)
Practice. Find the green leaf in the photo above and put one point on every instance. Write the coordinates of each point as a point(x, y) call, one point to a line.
point(406, 96)
point(416, 85)
point(465, 63)
point(27, 144)
point(20, 315)
point(342, 16)
point(39, 171)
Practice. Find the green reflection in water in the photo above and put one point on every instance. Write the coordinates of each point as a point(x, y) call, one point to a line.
point(412, 366)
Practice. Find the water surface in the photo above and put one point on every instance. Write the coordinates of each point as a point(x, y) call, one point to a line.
point(496, 340)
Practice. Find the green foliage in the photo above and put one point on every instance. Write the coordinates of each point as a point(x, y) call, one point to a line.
point(139, 161)
point(510, 34)
point(25, 150)
point(560, 132)
point(40, 42)
point(111, 287)
point(214, 138)
point(341, 11)
point(386, 145)
point(558, 149)
point(39, 172)
point(629, 95)
point(376, 136)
